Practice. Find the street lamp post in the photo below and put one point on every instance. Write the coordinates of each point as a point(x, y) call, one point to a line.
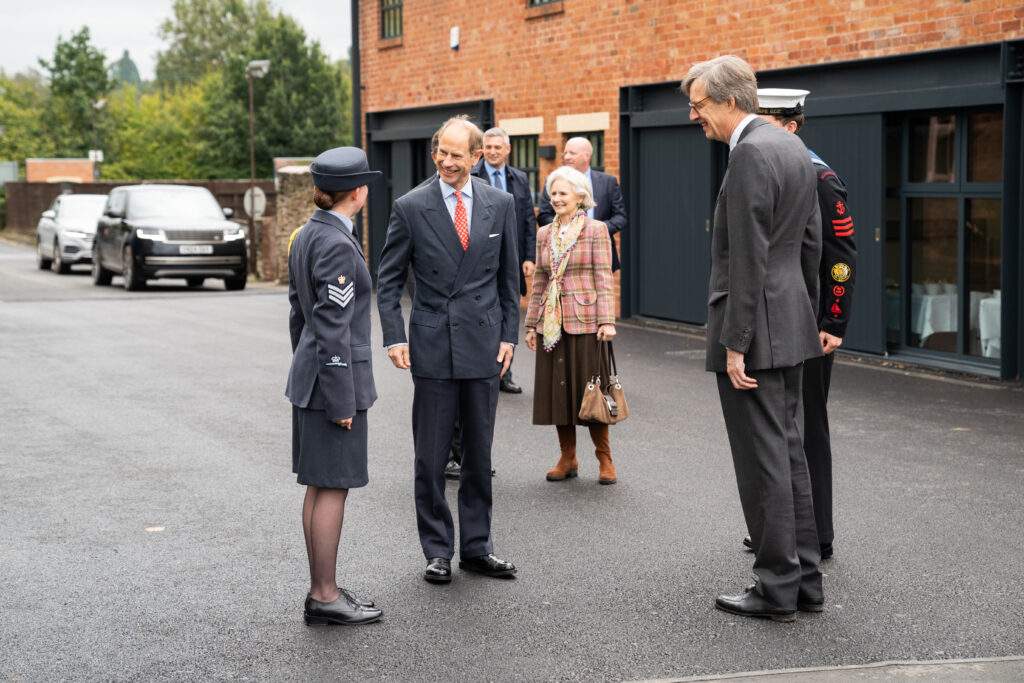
point(95, 155)
point(257, 68)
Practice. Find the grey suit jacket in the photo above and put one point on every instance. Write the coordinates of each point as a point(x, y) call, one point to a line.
point(330, 290)
point(465, 302)
point(765, 250)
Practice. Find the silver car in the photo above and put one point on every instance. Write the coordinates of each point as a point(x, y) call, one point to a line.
point(66, 230)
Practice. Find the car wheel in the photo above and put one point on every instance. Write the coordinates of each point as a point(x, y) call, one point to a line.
point(233, 284)
point(132, 281)
point(41, 261)
point(100, 275)
point(59, 265)
point(195, 281)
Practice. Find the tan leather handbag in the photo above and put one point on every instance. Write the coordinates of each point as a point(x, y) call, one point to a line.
point(605, 403)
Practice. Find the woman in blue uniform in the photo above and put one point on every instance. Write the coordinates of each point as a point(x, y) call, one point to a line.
point(330, 383)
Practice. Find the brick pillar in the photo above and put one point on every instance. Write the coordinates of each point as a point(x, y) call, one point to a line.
point(294, 207)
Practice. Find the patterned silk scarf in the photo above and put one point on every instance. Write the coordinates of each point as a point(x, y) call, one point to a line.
point(561, 247)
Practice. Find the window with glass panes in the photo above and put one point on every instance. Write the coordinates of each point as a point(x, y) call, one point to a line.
point(944, 231)
point(536, 3)
point(525, 158)
point(390, 18)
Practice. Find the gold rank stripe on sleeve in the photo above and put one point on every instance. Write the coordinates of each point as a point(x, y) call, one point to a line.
point(843, 227)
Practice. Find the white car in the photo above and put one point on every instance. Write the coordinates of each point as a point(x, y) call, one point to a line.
point(66, 230)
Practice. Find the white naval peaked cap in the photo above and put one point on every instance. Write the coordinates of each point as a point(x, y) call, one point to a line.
point(781, 101)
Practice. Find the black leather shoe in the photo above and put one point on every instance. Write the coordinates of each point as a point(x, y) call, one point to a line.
point(453, 470)
point(439, 570)
point(488, 565)
point(508, 386)
point(748, 544)
point(826, 551)
point(350, 595)
point(750, 604)
point(341, 611)
point(809, 605)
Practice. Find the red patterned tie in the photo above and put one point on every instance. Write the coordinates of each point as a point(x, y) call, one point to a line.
point(461, 222)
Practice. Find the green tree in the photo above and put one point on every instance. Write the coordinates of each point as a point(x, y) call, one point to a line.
point(22, 105)
point(300, 106)
point(203, 35)
point(153, 134)
point(124, 71)
point(78, 78)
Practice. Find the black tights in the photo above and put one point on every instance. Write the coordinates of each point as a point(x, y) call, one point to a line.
point(323, 512)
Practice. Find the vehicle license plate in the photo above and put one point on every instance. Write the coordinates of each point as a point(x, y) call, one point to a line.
point(195, 249)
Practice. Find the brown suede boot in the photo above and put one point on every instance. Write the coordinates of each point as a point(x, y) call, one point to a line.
point(568, 465)
point(603, 451)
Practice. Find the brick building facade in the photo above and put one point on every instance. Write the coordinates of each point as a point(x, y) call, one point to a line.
point(885, 75)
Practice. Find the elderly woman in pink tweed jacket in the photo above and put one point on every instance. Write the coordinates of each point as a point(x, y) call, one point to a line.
point(572, 308)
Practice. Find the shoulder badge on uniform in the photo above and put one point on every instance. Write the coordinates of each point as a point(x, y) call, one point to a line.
point(341, 279)
point(840, 208)
point(841, 272)
point(839, 290)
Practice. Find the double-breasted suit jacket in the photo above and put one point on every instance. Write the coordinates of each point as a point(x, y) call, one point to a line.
point(587, 288)
point(465, 302)
point(526, 217)
point(609, 208)
point(330, 289)
point(766, 222)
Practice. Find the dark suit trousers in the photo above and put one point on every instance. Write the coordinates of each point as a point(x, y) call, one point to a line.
point(817, 443)
point(774, 487)
point(436, 405)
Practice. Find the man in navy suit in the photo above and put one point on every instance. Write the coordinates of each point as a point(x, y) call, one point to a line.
point(495, 170)
point(459, 236)
point(609, 207)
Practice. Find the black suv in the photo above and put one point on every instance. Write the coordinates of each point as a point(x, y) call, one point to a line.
point(167, 231)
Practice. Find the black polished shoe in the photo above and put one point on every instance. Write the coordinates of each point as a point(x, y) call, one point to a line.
point(350, 595)
point(439, 570)
point(488, 565)
point(748, 544)
point(453, 470)
point(810, 605)
point(826, 551)
point(750, 604)
point(508, 386)
point(341, 611)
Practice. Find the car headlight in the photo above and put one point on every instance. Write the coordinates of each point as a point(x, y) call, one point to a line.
point(154, 234)
point(77, 234)
point(236, 233)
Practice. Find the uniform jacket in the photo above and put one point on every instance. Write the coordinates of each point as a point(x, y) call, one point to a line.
point(838, 269)
point(610, 209)
point(587, 291)
point(526, 217)
point(465, 302)
point(765, 254)
point(329, 288)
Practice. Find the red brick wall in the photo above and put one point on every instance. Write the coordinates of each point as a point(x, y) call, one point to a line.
point(532, 62)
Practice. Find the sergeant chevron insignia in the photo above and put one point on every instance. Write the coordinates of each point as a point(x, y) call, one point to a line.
point(341, 295)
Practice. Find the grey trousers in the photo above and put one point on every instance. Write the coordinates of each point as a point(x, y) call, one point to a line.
point(774, 485)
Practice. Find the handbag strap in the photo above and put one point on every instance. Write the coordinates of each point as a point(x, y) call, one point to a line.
point(606, 362)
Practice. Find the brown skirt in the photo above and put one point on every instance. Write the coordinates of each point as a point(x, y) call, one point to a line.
point(561, 377)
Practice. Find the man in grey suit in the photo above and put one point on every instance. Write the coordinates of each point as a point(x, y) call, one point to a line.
point(763, 289)
point(459, 236)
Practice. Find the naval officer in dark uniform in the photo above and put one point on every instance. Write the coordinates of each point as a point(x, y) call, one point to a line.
point(784, 108)
point(330, 383)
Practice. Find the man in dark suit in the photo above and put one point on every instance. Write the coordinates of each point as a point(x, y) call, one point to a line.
point(785, 108)
point(495, 170)
point(763, 293)
point(459, 236)
point(609, 207)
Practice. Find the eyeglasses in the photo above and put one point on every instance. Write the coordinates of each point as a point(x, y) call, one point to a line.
point(697, 105)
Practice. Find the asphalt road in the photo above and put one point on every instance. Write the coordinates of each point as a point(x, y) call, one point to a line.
point(150, 529)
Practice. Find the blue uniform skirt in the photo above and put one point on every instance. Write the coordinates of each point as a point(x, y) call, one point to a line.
point(327, 455)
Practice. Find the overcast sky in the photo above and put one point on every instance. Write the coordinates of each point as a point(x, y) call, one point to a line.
point(29, 30)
